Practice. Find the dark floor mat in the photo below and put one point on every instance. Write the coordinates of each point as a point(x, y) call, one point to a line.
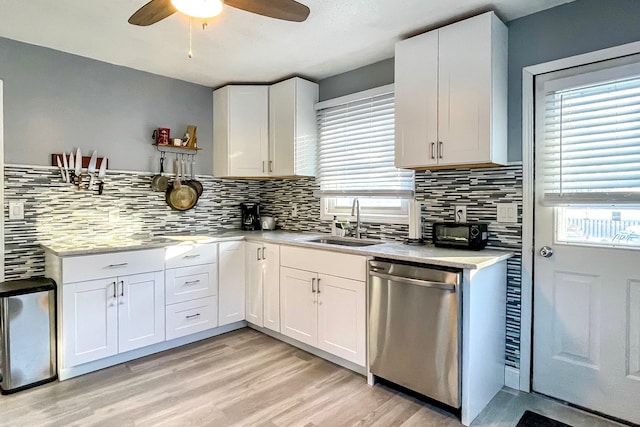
point(533, 419)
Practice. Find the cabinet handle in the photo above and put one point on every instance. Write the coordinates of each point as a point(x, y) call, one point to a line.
point(191, 256)
point(313, 285)
point(433, 150)
point(122, 288)
point(270, 165)
point(122, 264)
point(192, 282)
point(192, 316)
point(264, 256)
point(115, 292)
point(258, 254)
point(263, 166)
point(318, 285)
point(440, 149)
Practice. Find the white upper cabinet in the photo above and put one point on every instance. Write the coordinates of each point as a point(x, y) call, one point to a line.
point(240, 131)
point(265, 131)
point(292, 127)
point(451, 96)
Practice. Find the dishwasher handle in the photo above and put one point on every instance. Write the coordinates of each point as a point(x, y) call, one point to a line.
point(425, 283)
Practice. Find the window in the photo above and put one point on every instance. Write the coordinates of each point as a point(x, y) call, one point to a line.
point(356, 158)
point(591, 155)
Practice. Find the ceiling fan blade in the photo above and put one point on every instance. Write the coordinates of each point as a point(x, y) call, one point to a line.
point(287, 10)
point(152, 12)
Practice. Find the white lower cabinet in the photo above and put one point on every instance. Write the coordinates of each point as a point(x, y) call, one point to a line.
point(263, 285)
point(324, 311)
point(193, 316)
point(231, 282)
point(105, 317)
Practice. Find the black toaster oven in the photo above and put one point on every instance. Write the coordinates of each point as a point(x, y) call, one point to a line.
point(460, 235)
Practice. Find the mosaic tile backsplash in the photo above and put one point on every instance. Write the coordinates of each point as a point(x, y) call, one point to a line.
point(56, 210)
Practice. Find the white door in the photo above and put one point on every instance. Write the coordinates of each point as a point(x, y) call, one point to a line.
point(90, 321)
point(231, 283)
point(342, 317)
point(271, 286)
point(141, 310)
point(586, 332)
point(253, 287)
point(298, 305)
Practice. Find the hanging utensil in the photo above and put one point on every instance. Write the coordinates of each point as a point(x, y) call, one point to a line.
point(72, 163)
point(103, 169)
point(62, 172)
point(92, 168)
point(66, 167)
point(193, 181)
point(160, 182)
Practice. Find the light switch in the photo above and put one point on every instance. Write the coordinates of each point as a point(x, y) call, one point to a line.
point(507, 212)
point(16, 210)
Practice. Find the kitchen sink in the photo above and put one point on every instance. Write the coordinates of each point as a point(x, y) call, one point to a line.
point(343, 242)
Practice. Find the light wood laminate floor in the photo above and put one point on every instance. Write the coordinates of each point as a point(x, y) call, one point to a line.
point(245, 378)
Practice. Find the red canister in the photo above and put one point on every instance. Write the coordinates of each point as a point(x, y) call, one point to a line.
point(161, 136)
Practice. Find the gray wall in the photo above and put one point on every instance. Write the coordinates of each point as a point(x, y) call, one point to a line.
point(54, 102)
point(570, 29)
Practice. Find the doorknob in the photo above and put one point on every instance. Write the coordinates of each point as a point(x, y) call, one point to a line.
point(546, 251)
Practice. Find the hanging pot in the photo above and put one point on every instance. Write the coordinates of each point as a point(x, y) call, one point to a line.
point(160, 182)
point(180, 197)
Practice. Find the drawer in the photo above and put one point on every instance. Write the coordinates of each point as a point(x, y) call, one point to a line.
point(189, 317)
point(186, 255)
point(90, 267)
point(333, 263)
point(187, 283)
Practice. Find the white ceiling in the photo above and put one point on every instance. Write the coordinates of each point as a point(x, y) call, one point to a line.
point(237, 46)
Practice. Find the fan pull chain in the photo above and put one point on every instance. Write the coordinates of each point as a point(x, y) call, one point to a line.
point(190, 39)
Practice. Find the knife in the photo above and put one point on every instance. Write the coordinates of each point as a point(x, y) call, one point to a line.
point(66, 167)
point(62, 173)
point(92, 168)
point(72, 163)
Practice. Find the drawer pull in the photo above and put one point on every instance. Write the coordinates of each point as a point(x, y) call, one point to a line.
point(122, 264)
point(193, 316)
point(191, 256)
point(191, 282)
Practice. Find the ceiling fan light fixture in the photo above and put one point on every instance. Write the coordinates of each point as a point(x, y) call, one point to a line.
point(198, 8)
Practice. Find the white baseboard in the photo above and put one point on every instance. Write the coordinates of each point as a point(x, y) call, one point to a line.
point(512, 377)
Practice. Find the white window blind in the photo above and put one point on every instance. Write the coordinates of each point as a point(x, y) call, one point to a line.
point(356, 150)
point(592, 139)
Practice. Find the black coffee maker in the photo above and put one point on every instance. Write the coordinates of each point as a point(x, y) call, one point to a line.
point(250, 216)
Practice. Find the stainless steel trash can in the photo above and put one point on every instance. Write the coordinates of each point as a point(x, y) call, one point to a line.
point(27, 333)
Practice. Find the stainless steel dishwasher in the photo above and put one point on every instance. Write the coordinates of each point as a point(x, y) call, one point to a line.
point(413, 328)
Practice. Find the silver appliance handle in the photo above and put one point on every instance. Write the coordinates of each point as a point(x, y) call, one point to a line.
point(425, 283)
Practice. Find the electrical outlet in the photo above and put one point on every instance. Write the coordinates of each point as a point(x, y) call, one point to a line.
point(460, 213)
point(16, 210)
point(294, 210)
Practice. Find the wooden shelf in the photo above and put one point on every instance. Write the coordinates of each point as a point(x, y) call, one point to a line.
point(176, 149)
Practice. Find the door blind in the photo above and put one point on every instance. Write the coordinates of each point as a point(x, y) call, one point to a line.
point(356, 150)
point(591, 152)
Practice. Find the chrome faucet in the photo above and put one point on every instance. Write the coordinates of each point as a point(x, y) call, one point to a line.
point(355, 210)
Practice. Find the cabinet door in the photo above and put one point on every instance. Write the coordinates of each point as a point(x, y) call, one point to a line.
point(231, 282)
point(141, 310)
point(465, 86)
point(89, 321)
point(342, 318)
point(416, 101)
point(271, 286)
point(253, 289)
point(292, 127)
point(298, 305)
point(248, 130)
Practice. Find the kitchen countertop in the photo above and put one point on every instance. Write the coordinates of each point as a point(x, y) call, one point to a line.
point(426, 254)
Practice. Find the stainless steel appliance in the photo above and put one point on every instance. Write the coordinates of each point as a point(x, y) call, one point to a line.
point(460, 235)
point(413, 313)
point(250, 216)
point(267, 223)
point(27, 334)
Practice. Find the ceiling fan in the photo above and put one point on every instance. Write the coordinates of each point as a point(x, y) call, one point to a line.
point(157, 10)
